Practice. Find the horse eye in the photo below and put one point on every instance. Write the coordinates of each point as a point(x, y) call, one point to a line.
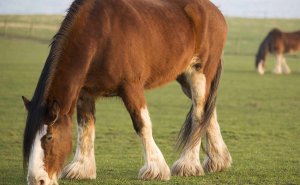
point(49, 137)
point(198, 66)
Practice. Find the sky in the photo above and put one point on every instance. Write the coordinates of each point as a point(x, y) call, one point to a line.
point(34, 6)
point(235, 8)
point(260, 8)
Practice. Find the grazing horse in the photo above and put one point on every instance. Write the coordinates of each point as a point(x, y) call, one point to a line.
point(108, 48)
point(277, 43)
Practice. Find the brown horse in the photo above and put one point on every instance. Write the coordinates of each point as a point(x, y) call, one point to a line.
point(277, 43)
point(108, 48)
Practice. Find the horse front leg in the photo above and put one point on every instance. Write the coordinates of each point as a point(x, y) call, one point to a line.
point(83, 165)
point(155, 166)
point(218, 157)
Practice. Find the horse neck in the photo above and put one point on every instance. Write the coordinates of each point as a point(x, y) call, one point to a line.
point(262, 51)
point(71, 59)
point(67, 77)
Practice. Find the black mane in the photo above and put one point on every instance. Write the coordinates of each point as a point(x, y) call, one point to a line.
point(37, 109)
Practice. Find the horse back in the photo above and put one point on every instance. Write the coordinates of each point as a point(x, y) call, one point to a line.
point(291, 41)
point(284, 42)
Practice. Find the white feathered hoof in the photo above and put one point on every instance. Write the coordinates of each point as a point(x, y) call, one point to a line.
point(260, 69)
point(154, 171)
point(277, 71)
point(286, 70)
point(79, 170)
point(217, 163)
point(187, 168)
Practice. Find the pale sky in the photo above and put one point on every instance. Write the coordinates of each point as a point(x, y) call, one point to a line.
point(240, 8)
point(260, 8)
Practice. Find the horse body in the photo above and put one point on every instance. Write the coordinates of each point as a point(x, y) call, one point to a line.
point(291, 42)
point(277, 43)
point(119, 48)
point(168, 49)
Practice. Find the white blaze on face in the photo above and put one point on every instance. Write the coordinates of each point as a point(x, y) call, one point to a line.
point(36, 166)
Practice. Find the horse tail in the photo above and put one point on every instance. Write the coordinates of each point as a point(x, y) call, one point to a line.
point(193, 133)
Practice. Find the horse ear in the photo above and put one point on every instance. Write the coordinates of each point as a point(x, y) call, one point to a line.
point(26, 102)
point(54, 112)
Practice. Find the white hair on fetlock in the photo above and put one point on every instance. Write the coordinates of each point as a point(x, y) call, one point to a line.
point(260, 68)
point(155, 165)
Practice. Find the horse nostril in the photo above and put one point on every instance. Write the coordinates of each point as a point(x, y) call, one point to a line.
point(41, 182)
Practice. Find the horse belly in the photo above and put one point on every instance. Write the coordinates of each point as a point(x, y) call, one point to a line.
point(167, 72)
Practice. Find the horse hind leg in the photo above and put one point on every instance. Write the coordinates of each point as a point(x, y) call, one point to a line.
point(218, 157)
point(83, 165)
point(278, 65)
point(189, 162)
point(193, 84)
point(155, 166)
point(285, 67)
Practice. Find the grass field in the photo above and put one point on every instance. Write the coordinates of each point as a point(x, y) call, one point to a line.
point(259, 115)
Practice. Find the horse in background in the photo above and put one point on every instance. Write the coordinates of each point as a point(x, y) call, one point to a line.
point(277, 43)
point(122, 48)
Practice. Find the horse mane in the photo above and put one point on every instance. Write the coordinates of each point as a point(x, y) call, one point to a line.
point(38, 108)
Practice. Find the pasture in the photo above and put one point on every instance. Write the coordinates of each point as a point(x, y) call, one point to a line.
point(259, 115)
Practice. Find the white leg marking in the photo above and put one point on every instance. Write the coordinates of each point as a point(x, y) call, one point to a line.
point(260, 68)
point(278, 67)
point(219, 157)
point(155, 165)
point(285, 67)
point(83, 165)
point(36, 166)
point(189, 163)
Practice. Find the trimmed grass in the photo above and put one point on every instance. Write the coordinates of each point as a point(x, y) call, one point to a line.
point(259, 117)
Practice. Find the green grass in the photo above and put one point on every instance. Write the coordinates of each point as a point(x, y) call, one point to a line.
point(259, 117)
point(245, 35)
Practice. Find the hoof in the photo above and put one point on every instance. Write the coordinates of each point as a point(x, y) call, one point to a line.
point(79, 170)
point(217, 163)
point(277, 71)
point(154, 171)
point(190, 168)
point(260, 69)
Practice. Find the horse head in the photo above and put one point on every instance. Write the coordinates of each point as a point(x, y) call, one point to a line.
point(47, 142)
